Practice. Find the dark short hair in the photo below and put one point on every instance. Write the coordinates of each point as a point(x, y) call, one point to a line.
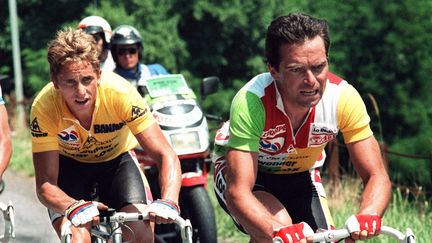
point(294, 28)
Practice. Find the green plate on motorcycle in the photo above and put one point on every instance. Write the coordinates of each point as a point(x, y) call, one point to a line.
point(164, 85)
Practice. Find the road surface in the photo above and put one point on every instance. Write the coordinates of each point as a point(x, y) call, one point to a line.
point(31, 217)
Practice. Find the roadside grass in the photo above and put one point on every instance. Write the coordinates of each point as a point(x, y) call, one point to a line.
point(21, 160)
point(405, 209)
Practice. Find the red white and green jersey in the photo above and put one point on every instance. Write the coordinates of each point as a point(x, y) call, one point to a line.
point(120, 113)
point(258, 123)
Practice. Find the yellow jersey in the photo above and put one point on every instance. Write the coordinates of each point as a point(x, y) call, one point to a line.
point(120, 113)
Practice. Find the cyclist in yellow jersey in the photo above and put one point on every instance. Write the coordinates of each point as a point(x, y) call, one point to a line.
point(84, 125)
point(268, 156)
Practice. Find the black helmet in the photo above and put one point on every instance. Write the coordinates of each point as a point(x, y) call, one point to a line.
point(125, 35)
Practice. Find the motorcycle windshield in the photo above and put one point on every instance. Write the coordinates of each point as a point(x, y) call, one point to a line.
point(167, 85)
point(166, 88)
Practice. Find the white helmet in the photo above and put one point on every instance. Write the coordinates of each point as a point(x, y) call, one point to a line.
point(96, 24)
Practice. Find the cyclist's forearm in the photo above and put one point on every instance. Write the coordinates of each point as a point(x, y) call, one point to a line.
point(54, 198)
point(252, 215)
point(170, 177)
point(376, 195)
point(367, 160)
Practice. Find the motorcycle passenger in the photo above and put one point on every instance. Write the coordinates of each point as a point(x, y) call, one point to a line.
point(127, 51)
point(85, 125)
point(267, 165)
point(100, 29)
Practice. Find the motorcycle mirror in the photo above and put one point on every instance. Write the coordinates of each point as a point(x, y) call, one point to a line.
point(209, 85)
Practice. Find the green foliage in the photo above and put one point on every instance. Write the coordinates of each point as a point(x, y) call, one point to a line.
point(412, 171)
point(37, 71)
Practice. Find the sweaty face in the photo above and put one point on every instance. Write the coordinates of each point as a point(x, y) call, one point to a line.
point(127, 56)
point(302, 74)
point(77, 83)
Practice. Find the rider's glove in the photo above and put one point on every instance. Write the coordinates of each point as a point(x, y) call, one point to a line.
point(81, 212)
point(293, 233)
point(369, 222)
point(163, 208)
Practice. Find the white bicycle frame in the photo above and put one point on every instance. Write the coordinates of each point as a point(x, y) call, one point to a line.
point(340, 234)
point(121, 217)
point(9, 221)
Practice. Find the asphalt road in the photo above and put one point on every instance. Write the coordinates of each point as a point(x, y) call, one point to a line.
point(31, 217)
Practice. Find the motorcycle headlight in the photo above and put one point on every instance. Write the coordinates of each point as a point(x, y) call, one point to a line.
point(185, 141)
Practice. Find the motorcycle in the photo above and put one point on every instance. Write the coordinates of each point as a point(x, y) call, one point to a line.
point(175, 107)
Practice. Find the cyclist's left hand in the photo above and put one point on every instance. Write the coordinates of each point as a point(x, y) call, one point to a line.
point(163, 211)
point(363, 226)
point(293, 233)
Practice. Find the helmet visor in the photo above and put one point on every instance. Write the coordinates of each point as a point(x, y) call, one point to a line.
point(92, 29)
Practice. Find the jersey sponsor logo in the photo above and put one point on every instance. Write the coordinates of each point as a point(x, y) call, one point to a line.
point(69, 135)
point(219, 180)
point(137, 112)
point(291, 149)
point(274, 131)
point(92, 141)
point(321, 134)
point(317, 129)
point(35, 129)
point(286, 166)
point(95, 147)
point(271, 145)
point(317, 140)
point(277, 163)
point(107, 128)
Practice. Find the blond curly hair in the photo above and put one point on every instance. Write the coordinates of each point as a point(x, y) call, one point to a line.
point(72, 45)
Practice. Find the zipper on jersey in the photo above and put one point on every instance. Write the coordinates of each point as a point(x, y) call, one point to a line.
point(293, 136)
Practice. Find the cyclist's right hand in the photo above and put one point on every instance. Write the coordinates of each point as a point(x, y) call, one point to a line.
point(293, 233)
point(165, 209)
point(82, 212)
point(363, 226)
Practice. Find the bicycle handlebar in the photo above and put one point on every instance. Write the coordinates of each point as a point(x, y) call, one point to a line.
point(122, 217)
point(340, 234)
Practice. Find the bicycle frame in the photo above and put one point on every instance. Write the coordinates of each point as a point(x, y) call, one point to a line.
point(9, 221)
point(340, 234)
point(118, 218)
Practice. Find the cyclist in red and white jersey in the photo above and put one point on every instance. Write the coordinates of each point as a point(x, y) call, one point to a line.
point(268, 156)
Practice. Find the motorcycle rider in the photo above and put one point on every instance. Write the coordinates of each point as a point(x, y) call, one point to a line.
point(101, 30)
point(127, 51)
